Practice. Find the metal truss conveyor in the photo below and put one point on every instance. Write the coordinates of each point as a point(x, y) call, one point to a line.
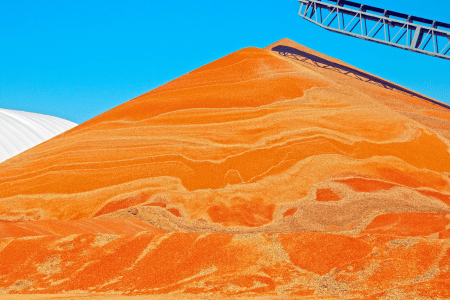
point(379, 25)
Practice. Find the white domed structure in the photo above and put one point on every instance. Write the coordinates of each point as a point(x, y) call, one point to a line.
point(21, 130)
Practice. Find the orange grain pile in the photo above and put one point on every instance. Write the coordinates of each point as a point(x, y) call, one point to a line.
point(276, 171)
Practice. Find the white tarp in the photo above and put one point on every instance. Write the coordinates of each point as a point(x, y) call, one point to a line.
point(21, 130)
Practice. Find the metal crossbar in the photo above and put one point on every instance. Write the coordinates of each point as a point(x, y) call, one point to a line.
point(378, 25)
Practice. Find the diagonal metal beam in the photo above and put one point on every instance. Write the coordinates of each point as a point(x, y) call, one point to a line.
point(418, 36)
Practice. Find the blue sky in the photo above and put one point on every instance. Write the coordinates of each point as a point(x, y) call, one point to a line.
point(76, 59)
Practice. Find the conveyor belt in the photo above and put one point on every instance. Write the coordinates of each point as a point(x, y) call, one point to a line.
point(379, 25)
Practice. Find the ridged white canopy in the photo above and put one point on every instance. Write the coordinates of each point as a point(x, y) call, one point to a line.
point(21, 130)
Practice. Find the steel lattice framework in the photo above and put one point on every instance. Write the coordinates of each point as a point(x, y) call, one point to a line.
point(379, 25)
